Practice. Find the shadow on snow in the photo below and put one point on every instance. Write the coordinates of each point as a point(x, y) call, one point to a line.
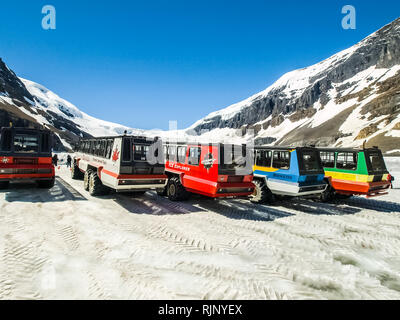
point(29, 192)
point(151, 203)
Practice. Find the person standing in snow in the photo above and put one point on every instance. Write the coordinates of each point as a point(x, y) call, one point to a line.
point(55, 160)
point(69, 160)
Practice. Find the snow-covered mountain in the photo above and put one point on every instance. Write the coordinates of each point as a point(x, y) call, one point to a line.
point(348, 98)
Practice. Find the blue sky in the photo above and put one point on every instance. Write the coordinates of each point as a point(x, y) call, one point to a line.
point(142, 63)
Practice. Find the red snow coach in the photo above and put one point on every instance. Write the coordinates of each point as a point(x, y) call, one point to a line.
point(124, 163)
point(25, 155)
point(213, 170)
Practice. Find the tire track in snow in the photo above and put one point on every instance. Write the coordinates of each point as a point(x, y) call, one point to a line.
point(69, 236)
point(96, 289)
point(181, 241)
point(23, 265)
point(221, 283)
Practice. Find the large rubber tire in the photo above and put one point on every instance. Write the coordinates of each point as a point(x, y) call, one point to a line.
point(76, 174)
point(46, 184)
point(86, 178)
point(262, 194)
point(4, 185)
point(96, 187)
point(175, 190)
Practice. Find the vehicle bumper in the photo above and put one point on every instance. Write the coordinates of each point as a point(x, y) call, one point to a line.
point(227, 190)
point(124, 183)
point(241, 189)
point(295, 189)
point(139, 187)
point(140, 184)
point(369, 189)
point(20, 173)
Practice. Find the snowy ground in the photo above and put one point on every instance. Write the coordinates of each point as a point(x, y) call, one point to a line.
point(65, 244)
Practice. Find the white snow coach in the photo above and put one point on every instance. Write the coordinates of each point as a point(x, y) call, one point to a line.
point(123, 163)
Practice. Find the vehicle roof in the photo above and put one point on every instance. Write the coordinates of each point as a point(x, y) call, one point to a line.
point(120, 136)
point(281, 147)
point(348, 149)
point(191, 143)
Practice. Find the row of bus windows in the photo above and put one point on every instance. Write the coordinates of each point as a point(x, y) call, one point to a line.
point(343, 160)
point(178, 154)
point(101, 148)
point(274, 159)
point(233, 158)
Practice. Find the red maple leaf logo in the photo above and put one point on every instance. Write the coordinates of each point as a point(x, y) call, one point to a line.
point(115, 155)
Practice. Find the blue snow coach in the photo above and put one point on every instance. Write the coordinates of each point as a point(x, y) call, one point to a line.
point(286, 171)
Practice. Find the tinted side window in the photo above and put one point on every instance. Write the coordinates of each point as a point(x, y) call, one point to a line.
point(346, 160)
point(45, 143)
point(172, 153)
point(327, 159)
point(109, 148)
point(91, 147)
point(140, 152)
point(126, 149)
point(263, 158)
point(101, 148)
point(6, 140)
point(376, 161)
point(182, 154)
point(281, 160)
point(165, 150)
point(97, 145)
point(194, 156)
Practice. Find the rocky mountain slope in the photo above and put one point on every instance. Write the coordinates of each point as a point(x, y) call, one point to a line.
point(348, 98)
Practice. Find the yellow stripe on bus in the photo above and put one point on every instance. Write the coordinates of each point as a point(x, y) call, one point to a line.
point(267, 169)
point(353, 176)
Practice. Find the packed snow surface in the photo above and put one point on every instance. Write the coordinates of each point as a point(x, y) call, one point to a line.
point(63, 244)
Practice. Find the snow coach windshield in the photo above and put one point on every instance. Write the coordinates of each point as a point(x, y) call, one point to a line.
point(375, 162)
point(309, 161)
point(232, 158)
point(26, 143)
point(140, 152)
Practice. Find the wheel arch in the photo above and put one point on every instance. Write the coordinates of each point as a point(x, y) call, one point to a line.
point(174, 174)
point(262, 178)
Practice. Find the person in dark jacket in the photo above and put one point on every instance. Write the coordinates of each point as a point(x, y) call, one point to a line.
point(69, 160)
point(55, 160)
